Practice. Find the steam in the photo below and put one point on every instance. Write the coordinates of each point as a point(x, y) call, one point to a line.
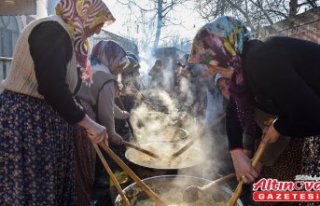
point(159, 117)
point(163, 123)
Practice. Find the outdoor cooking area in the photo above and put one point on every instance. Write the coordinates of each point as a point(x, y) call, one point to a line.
point(166, 150)
point(159, 103)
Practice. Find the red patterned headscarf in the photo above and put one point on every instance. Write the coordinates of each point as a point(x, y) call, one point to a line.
point(81, 14)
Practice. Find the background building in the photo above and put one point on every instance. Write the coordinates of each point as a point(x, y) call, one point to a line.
point(303, 26)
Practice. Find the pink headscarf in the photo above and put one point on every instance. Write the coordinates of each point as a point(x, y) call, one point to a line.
point(81, 14)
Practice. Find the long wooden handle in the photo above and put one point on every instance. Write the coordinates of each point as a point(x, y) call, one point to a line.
point(183, 149)
point(133, 176)
point(190, 143)
point(141, 149)
point(121, 105)
point(218, 181)
point(256, 158)
point(112, 176)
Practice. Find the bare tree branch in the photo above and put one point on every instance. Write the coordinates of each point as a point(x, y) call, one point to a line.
point(129, 2)
point(259, 5)
point(256, 13)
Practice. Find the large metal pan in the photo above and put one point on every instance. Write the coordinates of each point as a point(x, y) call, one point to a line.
point(170, 188)
point(190, 158)
point(152, 168)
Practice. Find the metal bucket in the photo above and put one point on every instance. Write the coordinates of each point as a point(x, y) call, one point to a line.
point(165, 183)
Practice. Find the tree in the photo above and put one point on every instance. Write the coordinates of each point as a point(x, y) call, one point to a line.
point(155, 14)
point(255, 13)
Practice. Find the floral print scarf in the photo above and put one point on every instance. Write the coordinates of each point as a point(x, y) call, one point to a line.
point(221, 42)
point(81, 14)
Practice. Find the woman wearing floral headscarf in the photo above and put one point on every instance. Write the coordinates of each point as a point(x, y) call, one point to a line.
point(108, 60)
point(37, 107)
point(279, 76)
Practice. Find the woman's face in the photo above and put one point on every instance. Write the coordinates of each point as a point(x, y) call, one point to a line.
point(223, 85)
point(95, 30)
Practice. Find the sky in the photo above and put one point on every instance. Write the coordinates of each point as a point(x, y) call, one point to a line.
point(185, 14)
point(190, 21)
point(124, 26)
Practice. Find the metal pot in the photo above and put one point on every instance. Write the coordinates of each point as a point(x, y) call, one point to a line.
point(147, 169)
point(165, 183)
point(191, 157)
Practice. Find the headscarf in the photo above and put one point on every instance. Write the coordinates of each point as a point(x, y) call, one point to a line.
point(113, 52)
point(221, 42)
point(81, 14)
point(133, 63)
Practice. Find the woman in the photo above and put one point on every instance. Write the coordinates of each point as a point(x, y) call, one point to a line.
point(279, 76)
point(276, 157)
point(108, 60)
point(157, 74)
point(37, 108)
point(129, 98)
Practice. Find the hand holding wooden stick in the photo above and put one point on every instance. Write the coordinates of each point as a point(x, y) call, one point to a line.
point(112, 176)
point(133, 176)
point(127, 120)
point(255, 160)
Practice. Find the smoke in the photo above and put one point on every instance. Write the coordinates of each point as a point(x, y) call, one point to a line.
point(164, 122)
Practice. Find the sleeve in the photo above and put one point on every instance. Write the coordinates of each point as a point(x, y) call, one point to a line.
point(51, 50)
point(297, 104)
point(233, 126)
point(106, 107)
point(118, 113)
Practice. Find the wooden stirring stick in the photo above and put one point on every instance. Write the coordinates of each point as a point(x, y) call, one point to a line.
point(133, 176)
point(147, 152)
point(121, 105)
point(257, 156)
point(183, 149)
point(112, 176)
point(191, 193)
point(190, 143)
point(216, 182)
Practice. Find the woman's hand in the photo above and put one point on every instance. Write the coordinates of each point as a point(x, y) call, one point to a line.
point(227, 73)
point(126, 115)
point(95, 132)
point(248, 152)
point(116, 139)
point(213, 68)
point(242, 165)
